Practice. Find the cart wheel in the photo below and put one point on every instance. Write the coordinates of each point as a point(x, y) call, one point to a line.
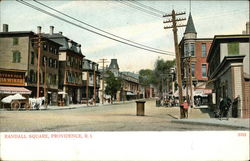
point(15, 105)
point(27, 106)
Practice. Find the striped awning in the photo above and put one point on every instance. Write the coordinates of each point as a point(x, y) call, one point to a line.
point(14, 90)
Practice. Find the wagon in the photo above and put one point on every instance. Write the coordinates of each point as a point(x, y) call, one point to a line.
point(16, 102)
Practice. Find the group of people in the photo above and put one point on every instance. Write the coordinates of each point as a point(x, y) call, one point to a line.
point(169, 102)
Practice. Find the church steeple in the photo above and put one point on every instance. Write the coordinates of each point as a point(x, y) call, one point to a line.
point(190, 31)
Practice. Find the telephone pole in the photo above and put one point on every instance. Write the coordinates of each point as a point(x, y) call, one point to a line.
point(103, 61)
point(94, 84)
point(38, 66)
point(174, 26)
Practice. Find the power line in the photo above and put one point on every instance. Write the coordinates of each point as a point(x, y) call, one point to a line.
point(96, 27)
point(55, 16)
point(140, 9)
point(145, 6)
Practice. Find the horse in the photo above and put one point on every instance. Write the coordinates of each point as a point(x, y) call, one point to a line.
point(224, 107)
point(36, 103)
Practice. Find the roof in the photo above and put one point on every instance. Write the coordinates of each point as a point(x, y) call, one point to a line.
point(63, 40)
point(226, 38)
point(16, 33)
point(13, 90)
point(190, 25)
point(113, 64)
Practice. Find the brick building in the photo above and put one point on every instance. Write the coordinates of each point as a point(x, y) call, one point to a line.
point(193, 53)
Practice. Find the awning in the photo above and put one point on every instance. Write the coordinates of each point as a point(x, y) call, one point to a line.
point(14, 90)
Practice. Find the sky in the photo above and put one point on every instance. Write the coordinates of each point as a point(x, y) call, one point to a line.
point(210, 18)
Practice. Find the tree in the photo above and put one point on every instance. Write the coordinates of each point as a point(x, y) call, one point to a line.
point(113, 84)
point(146, 77)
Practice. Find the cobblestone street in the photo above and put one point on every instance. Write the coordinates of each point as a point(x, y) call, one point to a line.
point(118, 117)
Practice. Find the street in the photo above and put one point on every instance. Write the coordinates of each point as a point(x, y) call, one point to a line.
point(117, 117)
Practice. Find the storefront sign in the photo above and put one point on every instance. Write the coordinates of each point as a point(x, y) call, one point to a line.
point(12, 78)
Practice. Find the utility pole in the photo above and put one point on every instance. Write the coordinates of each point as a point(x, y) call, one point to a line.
point(103, 61)
point(45, 90)
point(87, 88)
point(38, 65)
point(190, 82)
point(94, 84)
point(177, 50)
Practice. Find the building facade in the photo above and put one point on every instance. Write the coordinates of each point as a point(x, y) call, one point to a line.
point(194, 67)
point(91, 81)
point(70, 67)
point(19, 63)
point(229, 72)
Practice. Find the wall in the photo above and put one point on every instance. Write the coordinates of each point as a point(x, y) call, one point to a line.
point(6, 49)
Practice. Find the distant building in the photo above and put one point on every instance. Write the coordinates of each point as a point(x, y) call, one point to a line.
point(70, 66)
point(91, 80)
point(229, 72)
point(193, 53)
point(19, 59)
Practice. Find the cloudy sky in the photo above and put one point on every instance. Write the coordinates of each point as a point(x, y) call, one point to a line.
point(210, 18)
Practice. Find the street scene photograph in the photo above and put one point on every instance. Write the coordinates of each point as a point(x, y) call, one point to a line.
point(79, 69)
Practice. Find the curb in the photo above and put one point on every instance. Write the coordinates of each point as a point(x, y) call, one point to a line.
point(208, 124)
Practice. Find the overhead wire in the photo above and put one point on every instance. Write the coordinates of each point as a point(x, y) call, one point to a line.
point(145, 6)
point(72, 23)
point(96, 27)
point(140, 9)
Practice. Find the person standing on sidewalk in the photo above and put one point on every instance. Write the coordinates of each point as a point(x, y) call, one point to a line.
point(185, 109)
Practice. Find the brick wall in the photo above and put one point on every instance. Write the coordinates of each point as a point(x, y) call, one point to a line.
point(246, 108)
point(201, 60)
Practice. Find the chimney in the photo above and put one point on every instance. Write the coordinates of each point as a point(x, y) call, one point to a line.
point(51, 30)
point(39, 29)
point(79, 48)
point(60, 33)
point(247, 28)
point(5, 28)
point(70, 43)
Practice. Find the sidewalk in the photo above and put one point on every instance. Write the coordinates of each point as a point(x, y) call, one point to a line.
point(232, 122)
point(74, 106)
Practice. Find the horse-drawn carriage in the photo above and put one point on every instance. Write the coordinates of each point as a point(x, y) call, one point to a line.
point(19, 102)
point(16, 102)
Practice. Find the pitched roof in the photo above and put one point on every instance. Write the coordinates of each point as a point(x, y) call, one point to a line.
point(113, 64)
point(190, 25)
point(63, 40)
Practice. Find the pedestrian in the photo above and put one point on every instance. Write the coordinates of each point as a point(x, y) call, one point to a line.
point(185, 109)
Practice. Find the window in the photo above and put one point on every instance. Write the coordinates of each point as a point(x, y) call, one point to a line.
point(203, 50)
point(50, 62)
point(44, 60)
point(186, 50)
point(55, 64)
point(233, 48)
point(32, 57)
point(204, 70)
point(16, 57)
point(192, 50)
point(44, 47)
point(192, 69)
point(15, 41)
